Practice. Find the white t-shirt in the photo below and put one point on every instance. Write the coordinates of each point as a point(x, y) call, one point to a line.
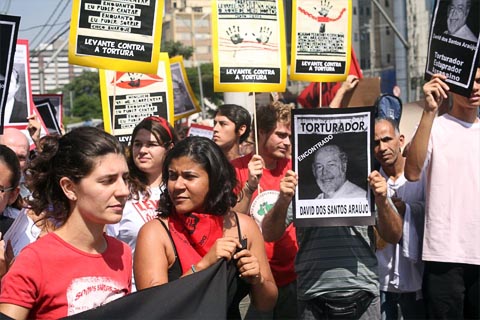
point(452, 221)
point(135, 214)
point(400, 268)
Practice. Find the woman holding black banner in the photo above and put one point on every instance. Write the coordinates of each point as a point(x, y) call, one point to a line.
point(196, 227)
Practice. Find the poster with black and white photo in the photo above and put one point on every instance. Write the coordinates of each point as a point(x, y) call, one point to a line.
point(8, 41)
point(19, 104)
point(128, 98)
point(321, 40)
point(249, 47)
point(184, 101)
point(116, 35)
point(200, 130)
point(56, 100)
point(332, 154)
point(454, 42)
point(47, 112)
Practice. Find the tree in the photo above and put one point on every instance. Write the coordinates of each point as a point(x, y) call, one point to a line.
point(85, 90)
point(207, 81)
point(176, 48)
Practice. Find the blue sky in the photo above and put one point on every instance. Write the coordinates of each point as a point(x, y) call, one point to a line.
point(35, 24)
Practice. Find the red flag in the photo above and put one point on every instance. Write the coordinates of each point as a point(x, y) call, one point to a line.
point(308, 98)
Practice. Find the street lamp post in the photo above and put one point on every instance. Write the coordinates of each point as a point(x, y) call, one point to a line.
point(195, 61)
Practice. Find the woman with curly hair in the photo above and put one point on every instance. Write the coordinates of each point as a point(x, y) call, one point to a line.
point(80, 183)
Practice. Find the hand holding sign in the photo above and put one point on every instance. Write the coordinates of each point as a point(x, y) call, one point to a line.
point(435, 91)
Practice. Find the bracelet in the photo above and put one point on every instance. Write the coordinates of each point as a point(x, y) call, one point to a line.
point(193, 268)
point(249, 187)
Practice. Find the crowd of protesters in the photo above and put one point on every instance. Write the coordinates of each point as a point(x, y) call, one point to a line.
point(168, 207)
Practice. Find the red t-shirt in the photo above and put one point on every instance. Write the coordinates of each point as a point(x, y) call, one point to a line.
point(54, 279)
point(281, 253)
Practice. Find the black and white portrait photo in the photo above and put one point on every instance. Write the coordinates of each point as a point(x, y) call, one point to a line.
point(182, 101)
point(330, 164)
point(453, 43)
point(16, 106)
point(8, 39)
point(331, 154)
point(458, 23)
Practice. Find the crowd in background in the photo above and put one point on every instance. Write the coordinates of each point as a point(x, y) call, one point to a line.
point(119, 220)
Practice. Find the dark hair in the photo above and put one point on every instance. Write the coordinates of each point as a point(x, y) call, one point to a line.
point(165, 136)
point(222, 179)
point(238, 115)
point(73, 156)
point(268, 116)
point(9, 158)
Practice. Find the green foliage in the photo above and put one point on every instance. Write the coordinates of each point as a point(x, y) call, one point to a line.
point(176, 48)
point(85, 91)
point(206, 70)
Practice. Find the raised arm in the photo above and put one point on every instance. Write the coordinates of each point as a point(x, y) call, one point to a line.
point(273, 224)
point(435, 91)
point(389, 222)
point(348, 85)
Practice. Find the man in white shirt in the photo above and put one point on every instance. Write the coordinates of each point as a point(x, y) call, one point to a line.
point(399, 265)
point(447, 149)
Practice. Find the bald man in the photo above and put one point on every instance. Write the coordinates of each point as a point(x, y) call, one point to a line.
point(18, 142)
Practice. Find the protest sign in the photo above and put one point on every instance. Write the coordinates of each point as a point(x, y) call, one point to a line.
point(47, 113)
point(8, 41)
point(128, 98)
point(200, 130)
point(56, 100)
point(20, 104)
point(321, 40)
point(249, 50)
point(184, 101)
point(453, 44)
point(116, 35)
point(332, 154)
point(310, 96)
point(364, 94)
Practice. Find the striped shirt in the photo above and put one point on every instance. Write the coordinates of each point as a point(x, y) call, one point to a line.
point(335, 259)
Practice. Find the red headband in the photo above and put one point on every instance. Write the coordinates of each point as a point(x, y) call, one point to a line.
point(163, 123)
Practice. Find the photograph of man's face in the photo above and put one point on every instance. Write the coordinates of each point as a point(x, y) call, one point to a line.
point(457, 13)
point(330, 169)
point(14, 85)
point(181, 98)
